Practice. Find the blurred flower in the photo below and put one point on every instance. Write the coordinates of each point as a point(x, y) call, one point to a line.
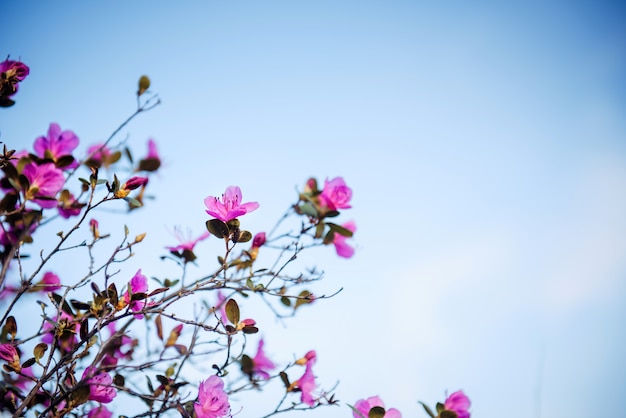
point(187, 244)
point(45, 182)
point(56, 144)
point(64, 332)
point(231, 207)
point(261, 365)
point(100, 412)
point(220, 304)
point(68, 205)
point(11, 74)
point(99, 155)
point(48, 283)
point(259, 240)
point(9, 354)
point(339, 241)
point(152, 162)
point(100, 385)
point(364, 406)
point(335, 195)
point(212, 400)
point(114, 345)
point(458, 403)
point(93, 227)
point(306, 383)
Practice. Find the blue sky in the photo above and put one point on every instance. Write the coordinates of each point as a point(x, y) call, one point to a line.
point(484, 144)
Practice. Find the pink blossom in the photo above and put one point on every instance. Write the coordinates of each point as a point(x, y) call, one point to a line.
point(8, 353)
point(336, 195)
point(114, 347)
point(212, 399)
point(45, 182)
point(221, 304)
point(68, 205)
point(11, 74)
point(364, 406)
point(100, 155)
point(187, 243)
point(152, 162)
point(15, 69)
point(70, 329)
point(135, 183)
point(259, 240)
point(231, 207)
point(306, 383)
point(50, 282)
point(138, 284)
point(339, 241)
point(56, 144)
point(100, 385)
point(459, 404)
point(93, 227)
point(100, 412)
point(261, 365)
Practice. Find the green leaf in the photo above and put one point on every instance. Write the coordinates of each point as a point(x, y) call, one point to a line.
point(144, 84)
point(232, 311)
point(308, 209)
point(427, 409)
point(246, 364)
point(217, 228)
point(356, 411)
point(65, 307)
point(39, 350)
point(285, 301)
point(340, 229)
point(244, 236)
point(439, 407)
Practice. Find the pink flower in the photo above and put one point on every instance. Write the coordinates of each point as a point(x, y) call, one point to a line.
point(135, 183)
point(56, 144)
point(336, 195)
point(68, 205)
point(458, 403)
point(93, 227)
point(186, 243)
point(339, 241)
point(138, 284)
point(11, 74)
point(100, 412)
point(212, 400)
point(261, 365)
point(45, 182)
point(9, 354)
point(306, 383)
point(152, 162)
point(231, 207)
point(65, 333)
point(221, 304)
point(99, 155)
point(49, 282)
point(100, 385)
point(364, 406)
point(259, 240)
point(114, 347)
